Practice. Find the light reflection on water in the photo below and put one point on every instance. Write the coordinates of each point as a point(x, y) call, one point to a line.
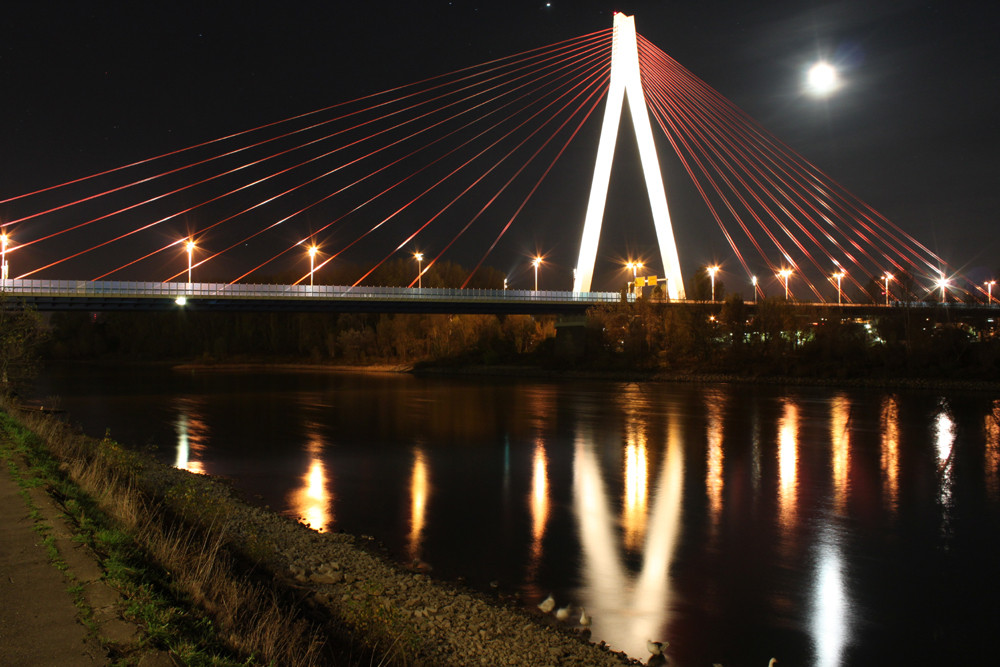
point(735, 522)
point(889, 423)
point(420, 489)
point(192, 435)
point(313, 501)
point(631, 607)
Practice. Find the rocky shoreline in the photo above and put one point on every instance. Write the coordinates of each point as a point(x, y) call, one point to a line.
point(410, 616)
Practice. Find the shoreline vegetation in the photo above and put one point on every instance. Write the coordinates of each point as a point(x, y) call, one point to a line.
point(239, 584)
point(776, 342)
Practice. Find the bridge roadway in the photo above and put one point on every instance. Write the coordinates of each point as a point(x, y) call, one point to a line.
point(52, 295)
point(91, 296)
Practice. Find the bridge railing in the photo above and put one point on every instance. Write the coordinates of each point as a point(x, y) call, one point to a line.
point(173, 290)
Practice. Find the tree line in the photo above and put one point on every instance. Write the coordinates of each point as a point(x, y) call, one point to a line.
point(779, 338)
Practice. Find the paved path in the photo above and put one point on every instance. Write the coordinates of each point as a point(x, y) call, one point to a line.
point(38, 617)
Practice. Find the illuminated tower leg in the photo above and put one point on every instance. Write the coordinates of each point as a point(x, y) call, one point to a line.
point(625, 80)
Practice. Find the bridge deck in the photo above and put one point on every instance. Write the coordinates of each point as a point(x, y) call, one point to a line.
point(86, 295)
point(123, 295)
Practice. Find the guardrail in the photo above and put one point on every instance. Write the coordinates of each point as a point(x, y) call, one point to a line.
point(158, 290)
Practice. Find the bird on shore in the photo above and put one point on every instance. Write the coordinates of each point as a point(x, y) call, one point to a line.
point(584, 618)
point(656, 648)
point(563, 612)
point(547, 605)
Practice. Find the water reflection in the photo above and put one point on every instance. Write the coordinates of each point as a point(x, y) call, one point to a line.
point(715, 406)
point(419, 492)
point(889, 459)
point(539, 503)
point(192, 434)
point(830, 604)
point(312, 502)
point(635, 492)
point(788, 460)
point(840, 418)
point(631, 608)
point(991, 453)
point(944, 440)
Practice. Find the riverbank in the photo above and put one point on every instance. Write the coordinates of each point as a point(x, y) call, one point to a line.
point(342, 601)
point(539, 372)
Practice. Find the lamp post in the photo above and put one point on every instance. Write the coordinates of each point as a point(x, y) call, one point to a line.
point(419, 256)
point(753, 279)
point(943, 284)
point(634, 267)
point(312, 263)
point(535, 262)
point(887, 277)
point(190, 251)
point(3, 256)
point(989, 290)
point(712, 270)
point(839, 275)
point(784, 273)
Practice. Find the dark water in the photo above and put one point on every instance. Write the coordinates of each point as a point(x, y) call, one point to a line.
point(820, 526)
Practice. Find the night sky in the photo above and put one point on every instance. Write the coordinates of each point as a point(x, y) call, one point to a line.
point(913, 131)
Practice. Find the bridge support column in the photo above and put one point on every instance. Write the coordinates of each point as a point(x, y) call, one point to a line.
point(625, 79)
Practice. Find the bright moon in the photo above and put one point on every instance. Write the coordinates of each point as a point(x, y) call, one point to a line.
point(822, 79)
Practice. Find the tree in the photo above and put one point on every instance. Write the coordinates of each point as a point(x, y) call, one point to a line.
point(21, 334)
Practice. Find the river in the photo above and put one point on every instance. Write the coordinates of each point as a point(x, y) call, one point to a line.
point(821, 526)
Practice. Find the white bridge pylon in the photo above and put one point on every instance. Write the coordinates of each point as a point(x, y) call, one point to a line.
point(625, 80)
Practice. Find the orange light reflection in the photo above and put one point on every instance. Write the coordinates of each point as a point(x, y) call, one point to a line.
point(714, 457)
point(192, 436)
point(788, 431)
point(419, 492)
point(635, 491)
point(313, 502)
point(992, 453)
point(840, 418)
point(889, 419)
point(539, 500)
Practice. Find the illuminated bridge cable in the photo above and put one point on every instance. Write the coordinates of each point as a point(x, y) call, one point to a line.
point(593, 91)
point(314, 179)
point(584, 38)
point(466, 190)
point(688, 98)
point(531, 94)
point(189, 209)
point(596, 100)
point(846, 200)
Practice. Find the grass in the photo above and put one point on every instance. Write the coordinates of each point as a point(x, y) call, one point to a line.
point(180, 583)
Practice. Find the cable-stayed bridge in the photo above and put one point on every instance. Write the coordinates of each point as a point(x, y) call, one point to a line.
point(437, 184)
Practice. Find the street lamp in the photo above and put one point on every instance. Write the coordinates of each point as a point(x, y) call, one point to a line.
point(712, 270)
point(190, 251)
point(839, 275)
point(535, 262)
point(989, 290)
point(753, 279)
point(887, 277)
point(312, 263)
point(3, 256)
point(634, 267)
point(943, 284)
point(784, 273)
point(419, 256)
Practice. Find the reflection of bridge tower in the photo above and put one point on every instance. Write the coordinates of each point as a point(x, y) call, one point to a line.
point(625, 79)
